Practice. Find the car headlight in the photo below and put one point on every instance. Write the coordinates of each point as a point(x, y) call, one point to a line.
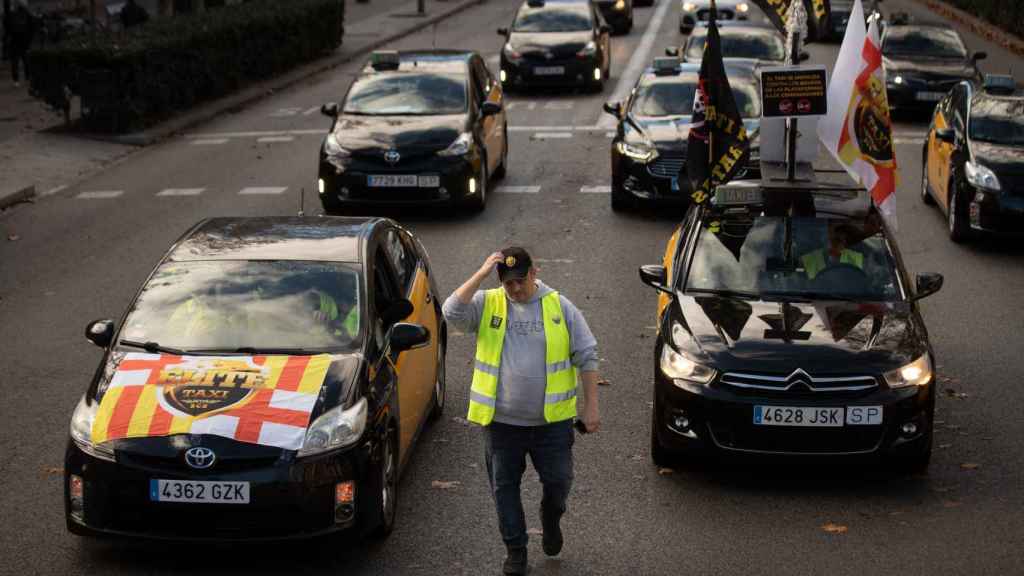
point(588, 50)
point(333, 149)
point(460, 147)
point(897, 80)
point(679, 367)
point(981, 176)
point(620, 5)
point(81, 430)
point(743, 7)
point(917, 373)
point(689, 7)
point(641, 152)
point(335, 428)
point(510, 52)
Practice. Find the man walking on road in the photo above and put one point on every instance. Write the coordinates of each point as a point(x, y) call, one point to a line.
point(21, 27)
point(530, 343)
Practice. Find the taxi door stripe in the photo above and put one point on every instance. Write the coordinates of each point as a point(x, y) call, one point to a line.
point(291, 373)
point(315, 374)
point(101, 427)
point(123, 410)
point(142, 416)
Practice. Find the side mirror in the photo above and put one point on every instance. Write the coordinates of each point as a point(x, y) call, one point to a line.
point(330, 109)
point(654, 275)
point(100, 332)
point(613, 108)
point(927, 284)
point(804, 56)
point(979, 56)
point(946, 135)
point(490, 108)
point(405, 336)
point(502, 31)
point(397, 311)
point(605, 29)
point(672, 51)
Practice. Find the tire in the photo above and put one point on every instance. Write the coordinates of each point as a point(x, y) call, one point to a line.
point(925, 196)
point(386, 499)
point(959, 230)
point(660, 455)
point(440, 391)
point(502, 170)
point(478, 202)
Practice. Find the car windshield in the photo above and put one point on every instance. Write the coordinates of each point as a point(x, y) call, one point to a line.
point(998, 121)
point(676, 98)
point(407, 94)
point(555, 18)
point(749, 44)
point(842, 259)
point(237, 304)
point(924, 42)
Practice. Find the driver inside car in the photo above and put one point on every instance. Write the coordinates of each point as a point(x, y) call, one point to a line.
point(338, 316)
point(837, 253)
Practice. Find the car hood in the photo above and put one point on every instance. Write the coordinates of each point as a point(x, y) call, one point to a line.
point(929, 67)
point(735, 334)
point(1002, 159)
point(402, 133)
point(560, 44)
point(671, 132)
point(338, 387)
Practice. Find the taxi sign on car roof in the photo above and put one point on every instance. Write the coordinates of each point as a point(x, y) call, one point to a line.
point(666, 65)
point(385, 60)
point(1000, 84)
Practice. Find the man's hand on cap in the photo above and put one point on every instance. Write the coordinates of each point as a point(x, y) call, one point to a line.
point(491, 263)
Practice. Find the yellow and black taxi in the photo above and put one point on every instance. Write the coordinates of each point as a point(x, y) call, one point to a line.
point(788, 325)
point(269, 380)
point(923, 62)
point(617, 13)
point(648, 152)
point(556, 43)
point(746, 40)
point(692, 12)
point(973, 158)
point(416, 127)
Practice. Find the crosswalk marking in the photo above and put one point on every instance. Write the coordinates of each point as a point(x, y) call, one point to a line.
point(311, 110)
point(600, 189)
point(551, 135)
point(272, 139)
point(209, 141)
point(100, 194)
point(181, 192)
point(262, 190)
point(517, 189)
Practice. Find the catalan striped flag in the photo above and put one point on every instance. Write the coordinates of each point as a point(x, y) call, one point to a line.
point(256, 399)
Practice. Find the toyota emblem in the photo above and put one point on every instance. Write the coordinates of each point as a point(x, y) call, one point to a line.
point(392, 156)
point(200, 458)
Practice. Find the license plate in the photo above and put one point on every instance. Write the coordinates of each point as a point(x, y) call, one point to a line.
point(817, 417)
point(393, 181)
point(549, 70)
point(199, 491)
point(429, 181)
point(930, 96)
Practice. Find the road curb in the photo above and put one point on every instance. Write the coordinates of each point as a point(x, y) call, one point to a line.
point(979, 26)
point(247, 96)
point(10, 198)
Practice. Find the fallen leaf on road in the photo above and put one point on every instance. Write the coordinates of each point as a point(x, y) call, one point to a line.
point(989, 438)
point(665, 471)
point(441, 440)
point(970, 466)
point(834, 528)
point(950, 503)
point(53, 471)
point(534, 531)
point(637, 458)
point(944, 446)
point(13, 237)
point(941, 489)
point(603, 383)
point(445, 484)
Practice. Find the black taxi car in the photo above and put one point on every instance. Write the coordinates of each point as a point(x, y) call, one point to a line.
point(648, 152)
point(617, 13)
point(923, 62)
point(269, 380)
point(973, 159)
point(693, 12)
point(556, 43)
point(416, 127)
point(746, 40)
point(789, 325)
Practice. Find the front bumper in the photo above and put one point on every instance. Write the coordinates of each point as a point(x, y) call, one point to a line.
point(917, 95)
point(576, 71)
point(663, 179)
point(721, 419)
point(288, 500)
point(997, 213)
point(350, 185)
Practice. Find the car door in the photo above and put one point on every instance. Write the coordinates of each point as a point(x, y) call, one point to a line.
point(492, 127)
point(416, 367)
point(939, 162)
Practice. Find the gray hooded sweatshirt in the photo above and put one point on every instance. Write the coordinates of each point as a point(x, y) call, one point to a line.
point(523, 376)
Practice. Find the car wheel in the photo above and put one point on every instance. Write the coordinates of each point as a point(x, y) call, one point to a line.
point(478, 202)
point(958, 231)
point(502, 168)
point(387, 487)
point(439, 384)
point(925, 196)
point(660, 455)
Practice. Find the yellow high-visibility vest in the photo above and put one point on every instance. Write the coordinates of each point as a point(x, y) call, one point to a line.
point(814, 262)
point(560, 391)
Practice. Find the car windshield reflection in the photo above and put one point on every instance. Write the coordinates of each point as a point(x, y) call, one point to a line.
point(408, 94)
point(998, 121)
point(560, 19)
point(755, 45)
point(924, 43)
point(676, 99)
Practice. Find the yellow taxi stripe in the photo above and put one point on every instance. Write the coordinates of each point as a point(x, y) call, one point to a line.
point(142, 416)
point(276, 365)
point(313, 377)
point(104, 413)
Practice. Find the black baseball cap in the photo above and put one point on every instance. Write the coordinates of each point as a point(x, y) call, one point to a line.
point(515, 265)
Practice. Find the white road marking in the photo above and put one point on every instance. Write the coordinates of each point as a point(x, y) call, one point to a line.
point(517, 189)
point(181, 192)
point(209, 142)
point(262, 191)
point(100, 194)
point(53, 191)
point(559, 105)
point(283, 112)
point(553, 260)
point(540, 128)
point(609, 134)
point(531, 105)
point(259, 134)
point(312, 110)
point(640, 59)
point(273, 139)
point(600, 189)
point(550, 135)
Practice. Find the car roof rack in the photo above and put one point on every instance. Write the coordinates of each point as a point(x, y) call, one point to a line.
point(1002, 84)
point(666, 66)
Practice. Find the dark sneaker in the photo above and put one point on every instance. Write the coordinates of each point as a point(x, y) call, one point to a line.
point(552, 540)
point(515, 562)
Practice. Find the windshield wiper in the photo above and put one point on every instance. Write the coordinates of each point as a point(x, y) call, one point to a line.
point(723, 292)
point(254, 350)
point(155, 347)
point(809, 296)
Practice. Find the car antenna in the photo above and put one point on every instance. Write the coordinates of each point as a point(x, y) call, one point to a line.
point(302, 201)
point(434, 41)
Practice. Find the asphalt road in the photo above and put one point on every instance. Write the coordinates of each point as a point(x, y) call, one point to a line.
point(83, 252)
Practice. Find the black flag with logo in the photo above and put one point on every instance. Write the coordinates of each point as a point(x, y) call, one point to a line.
point(718, 146)
point(817, 16)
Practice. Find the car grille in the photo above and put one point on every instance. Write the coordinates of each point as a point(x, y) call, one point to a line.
point(667, 165)
point(722, 14)
point(741, 435)
point(176, 465)
point(798, 383)
point(558, 57)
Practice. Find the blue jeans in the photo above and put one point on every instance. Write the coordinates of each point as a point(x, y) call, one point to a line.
point(550, 450)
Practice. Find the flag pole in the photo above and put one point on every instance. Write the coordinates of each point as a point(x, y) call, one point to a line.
point(712, 16)
point(794, 24)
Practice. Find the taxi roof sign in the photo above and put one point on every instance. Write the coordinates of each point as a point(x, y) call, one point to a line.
point(666, 65)
point(1000, 84)
point(385, 59)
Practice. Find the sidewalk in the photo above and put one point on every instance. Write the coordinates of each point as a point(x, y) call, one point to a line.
point(35, 153)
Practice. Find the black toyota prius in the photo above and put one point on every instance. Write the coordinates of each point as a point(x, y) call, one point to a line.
point(788, 325)
point(269, 380)
point(415, 128)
